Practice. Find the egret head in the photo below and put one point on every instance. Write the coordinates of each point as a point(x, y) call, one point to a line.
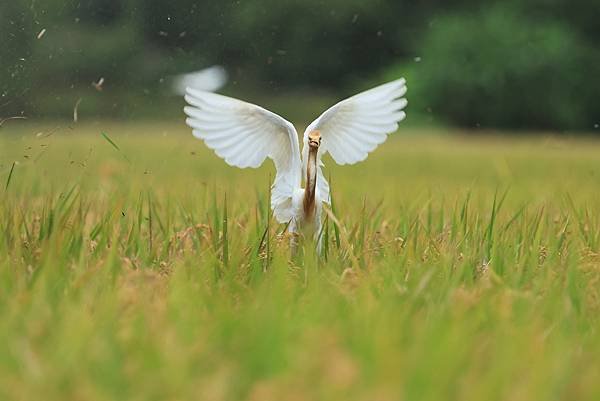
point(314, 140)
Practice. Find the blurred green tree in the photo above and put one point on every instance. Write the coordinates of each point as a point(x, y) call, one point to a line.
point(16, 27)
point(500, 64)
point(498, 68)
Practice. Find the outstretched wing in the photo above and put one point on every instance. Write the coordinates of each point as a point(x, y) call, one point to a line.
point(354, 127)
point(244, 135)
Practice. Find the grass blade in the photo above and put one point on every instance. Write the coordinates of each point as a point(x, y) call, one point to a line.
point(225, 234)
point(336, 228)
point(114, 145)
point(10, 175)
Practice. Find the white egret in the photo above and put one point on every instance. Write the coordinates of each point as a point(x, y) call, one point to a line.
point(244, 135)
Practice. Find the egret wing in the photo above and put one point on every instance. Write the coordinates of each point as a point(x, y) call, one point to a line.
point(244, 135)
point(354, 127)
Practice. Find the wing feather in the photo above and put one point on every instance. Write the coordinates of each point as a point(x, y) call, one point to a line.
point(354, 127)
point(244, 135)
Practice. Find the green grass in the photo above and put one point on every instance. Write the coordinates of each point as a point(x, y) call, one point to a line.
point(135, 265)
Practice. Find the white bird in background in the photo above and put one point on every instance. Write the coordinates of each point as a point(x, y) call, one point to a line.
point(210, 79)
point(244, 135)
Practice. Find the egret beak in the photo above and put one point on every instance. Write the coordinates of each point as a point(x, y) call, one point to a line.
point(314, 139)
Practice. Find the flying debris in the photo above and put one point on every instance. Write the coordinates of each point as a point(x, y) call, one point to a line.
point(76, 110)
point(98, 85)
point(2, 121)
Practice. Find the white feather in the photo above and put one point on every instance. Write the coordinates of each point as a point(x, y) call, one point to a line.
point(244, 135)
point(210, 79)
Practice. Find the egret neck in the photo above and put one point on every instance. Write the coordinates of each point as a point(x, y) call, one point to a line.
point(314, 141)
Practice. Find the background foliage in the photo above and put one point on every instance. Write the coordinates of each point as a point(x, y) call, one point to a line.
point(511, 64)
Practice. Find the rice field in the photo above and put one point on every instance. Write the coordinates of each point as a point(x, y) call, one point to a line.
point(135, 265)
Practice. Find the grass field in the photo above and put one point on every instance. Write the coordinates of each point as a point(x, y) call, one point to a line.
point(462, 268)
